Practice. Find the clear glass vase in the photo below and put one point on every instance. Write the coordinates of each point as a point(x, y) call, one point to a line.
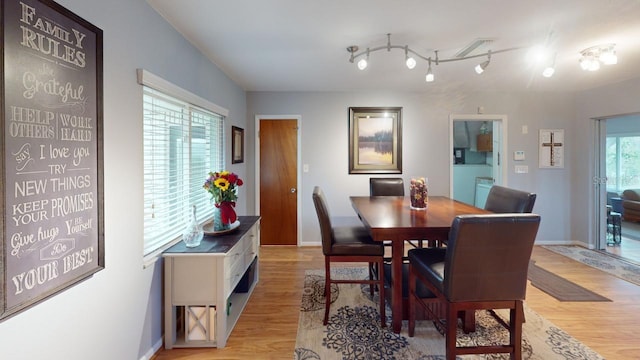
point(419, 193)
point(193, 233)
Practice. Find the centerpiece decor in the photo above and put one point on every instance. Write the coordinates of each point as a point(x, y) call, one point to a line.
point(418, 193)
point(223, 187)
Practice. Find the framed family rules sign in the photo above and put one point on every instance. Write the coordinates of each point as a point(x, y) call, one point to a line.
point(51, 193)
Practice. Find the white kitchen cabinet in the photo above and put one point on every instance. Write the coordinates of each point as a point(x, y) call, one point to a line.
point(207, 287)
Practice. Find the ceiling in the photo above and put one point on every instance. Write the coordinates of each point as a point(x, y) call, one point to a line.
point(300, 45)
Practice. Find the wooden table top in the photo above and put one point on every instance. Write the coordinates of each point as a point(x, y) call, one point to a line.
point(388, 215)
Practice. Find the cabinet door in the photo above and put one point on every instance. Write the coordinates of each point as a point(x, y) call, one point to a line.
point(485, 142)
point(194, 280)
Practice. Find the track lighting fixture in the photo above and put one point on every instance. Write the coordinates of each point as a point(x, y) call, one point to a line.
point(594, 56)
point(411, 55)
point(429, 77)
point(483, 65)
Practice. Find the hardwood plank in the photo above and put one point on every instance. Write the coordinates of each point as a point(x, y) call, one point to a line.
point(267, 329)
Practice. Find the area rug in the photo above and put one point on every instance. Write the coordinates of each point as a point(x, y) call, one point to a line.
point(601, 261)
point(559, 287)
point(354, 330)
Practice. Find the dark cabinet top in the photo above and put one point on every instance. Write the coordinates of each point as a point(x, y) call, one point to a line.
point(220, 244)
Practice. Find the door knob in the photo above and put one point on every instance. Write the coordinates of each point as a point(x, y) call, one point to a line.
point(293, 190)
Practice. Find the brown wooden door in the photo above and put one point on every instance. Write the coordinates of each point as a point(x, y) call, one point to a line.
point(278, 182)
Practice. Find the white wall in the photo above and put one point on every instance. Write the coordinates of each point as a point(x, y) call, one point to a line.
point(425, 145)
point(116, 314)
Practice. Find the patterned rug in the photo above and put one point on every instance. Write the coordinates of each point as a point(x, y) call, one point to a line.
point(354, 330)
point(601, 261)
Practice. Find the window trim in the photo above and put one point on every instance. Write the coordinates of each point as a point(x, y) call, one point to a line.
point(146, 78)
point(154, 81)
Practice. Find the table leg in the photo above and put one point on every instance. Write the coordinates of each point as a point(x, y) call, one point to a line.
point(397, 251)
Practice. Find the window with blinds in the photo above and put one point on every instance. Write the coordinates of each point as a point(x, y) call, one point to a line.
point(182, 143)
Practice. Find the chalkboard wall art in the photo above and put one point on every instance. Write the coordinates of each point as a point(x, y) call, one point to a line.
point(51, 193)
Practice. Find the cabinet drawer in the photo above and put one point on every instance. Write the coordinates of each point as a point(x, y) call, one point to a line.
point(234, 265)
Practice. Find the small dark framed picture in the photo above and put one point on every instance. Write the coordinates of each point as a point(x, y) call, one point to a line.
point(237, 145)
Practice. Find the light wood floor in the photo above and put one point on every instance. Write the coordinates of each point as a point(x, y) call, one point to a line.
point(629, 248)
point(267, 328)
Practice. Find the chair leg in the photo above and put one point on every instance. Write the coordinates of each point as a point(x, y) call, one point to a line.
point(383, 316)
point(468, 321)
point(412, 301)
point(372, 285)
point(327, 289)
point(516, 318)
point(452, 328)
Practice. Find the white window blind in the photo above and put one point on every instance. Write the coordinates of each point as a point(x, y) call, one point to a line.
point(182, 143)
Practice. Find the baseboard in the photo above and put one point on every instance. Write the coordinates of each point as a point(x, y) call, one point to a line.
point(307, 244)
point(555, 242)
point(152, 352)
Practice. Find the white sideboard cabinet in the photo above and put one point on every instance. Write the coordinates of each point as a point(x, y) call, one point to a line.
point(207, 287)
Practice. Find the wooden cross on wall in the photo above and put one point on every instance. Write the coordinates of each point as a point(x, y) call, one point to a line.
point(552, 145)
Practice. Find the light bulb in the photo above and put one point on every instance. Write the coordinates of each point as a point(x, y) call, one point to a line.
point(362, 64)
point(429, 77)
point(411, 63)
point(585, 63)
point(609, 57)
point(480, 67)
point(548, 71)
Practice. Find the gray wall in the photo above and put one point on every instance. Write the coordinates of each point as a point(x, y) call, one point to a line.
point(116, 314)
point(425, 145)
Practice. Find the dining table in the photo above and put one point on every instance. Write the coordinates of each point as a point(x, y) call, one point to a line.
point(390, 218)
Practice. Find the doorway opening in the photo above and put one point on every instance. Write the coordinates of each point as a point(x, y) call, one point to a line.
point(476, 156)
point(618, 167)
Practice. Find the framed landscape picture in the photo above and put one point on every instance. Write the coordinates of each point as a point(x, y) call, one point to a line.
point(375, 140)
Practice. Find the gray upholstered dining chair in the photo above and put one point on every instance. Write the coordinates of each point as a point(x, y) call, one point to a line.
point(471, 273)
point(348, 243)
point(506, 200)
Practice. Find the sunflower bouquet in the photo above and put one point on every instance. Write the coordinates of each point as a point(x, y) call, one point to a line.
point(223, 186)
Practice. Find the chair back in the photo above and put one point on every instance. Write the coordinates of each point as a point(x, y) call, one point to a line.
point(386, 187)
point(505, 200)
point(322, 210)
point(488, 255)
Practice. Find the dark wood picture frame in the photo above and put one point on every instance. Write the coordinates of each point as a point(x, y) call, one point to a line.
point(51, 193)
point(237, 145)
point(375, 140)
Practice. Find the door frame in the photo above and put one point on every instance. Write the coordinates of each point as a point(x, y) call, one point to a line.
point(598, 222)
point(598, 236)
point(298, 119)
point(499, 119)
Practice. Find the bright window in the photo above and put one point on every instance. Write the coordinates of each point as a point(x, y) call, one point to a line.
point(182, 143)
point(623, 163)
